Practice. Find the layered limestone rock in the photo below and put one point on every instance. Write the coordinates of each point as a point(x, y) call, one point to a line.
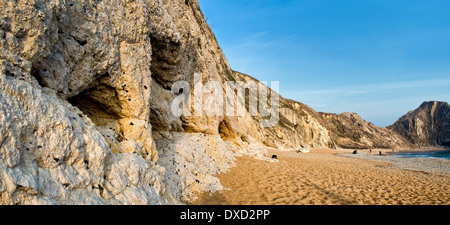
point(427, 125)
point(349, 130)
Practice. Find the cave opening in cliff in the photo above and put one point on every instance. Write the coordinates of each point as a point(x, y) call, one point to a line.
point(165, 62)
point(99, 113)
point(225, 130)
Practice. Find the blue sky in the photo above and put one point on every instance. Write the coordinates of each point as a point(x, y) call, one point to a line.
point(378, 58)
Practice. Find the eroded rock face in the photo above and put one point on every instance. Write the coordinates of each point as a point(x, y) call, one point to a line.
point(86, 89)
point(51, 153)
point(427, 125)
point(98, 57)
point(90, 54)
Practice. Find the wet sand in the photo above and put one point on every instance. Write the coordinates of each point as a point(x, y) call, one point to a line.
point(333, 177)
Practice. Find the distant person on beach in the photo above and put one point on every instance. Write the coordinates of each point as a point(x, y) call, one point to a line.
point(370, 151)
point(381, 153)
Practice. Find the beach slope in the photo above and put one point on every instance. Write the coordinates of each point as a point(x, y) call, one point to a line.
point(332, 177)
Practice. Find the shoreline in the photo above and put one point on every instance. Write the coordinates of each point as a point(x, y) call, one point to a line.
point(403, 150)
point(420, 164)
point(333, 177)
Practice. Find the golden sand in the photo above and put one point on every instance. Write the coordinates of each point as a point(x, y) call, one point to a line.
point(324, 177)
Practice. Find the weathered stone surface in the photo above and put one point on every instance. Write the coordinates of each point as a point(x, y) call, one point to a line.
point(97, 56)
point(90, 53)
point(108, 59)
point(298, 126)
point(51, 153)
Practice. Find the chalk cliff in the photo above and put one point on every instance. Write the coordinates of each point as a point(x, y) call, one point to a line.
point(86, 103)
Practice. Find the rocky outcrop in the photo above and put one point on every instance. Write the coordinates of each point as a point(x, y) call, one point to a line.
point(349, 130)
point(427, 125)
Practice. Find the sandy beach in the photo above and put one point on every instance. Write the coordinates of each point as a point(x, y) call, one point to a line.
point(333, 177)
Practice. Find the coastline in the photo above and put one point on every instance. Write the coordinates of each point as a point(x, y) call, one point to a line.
point(333, 177)
point(426, 165)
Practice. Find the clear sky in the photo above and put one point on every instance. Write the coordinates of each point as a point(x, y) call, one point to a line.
point(378, 58)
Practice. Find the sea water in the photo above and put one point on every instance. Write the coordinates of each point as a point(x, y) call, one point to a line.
point(442, 154)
